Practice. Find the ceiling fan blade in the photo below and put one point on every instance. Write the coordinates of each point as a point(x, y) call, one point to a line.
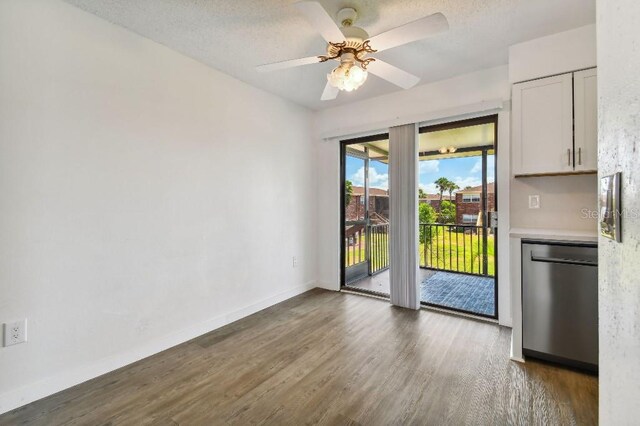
point(413, 31)
point(320, 20)
point(329, 93)
point(288, 64)
point(392, 74)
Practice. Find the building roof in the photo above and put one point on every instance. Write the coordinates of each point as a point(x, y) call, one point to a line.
point(436, 197)
point(477, 189)
point(376, 192)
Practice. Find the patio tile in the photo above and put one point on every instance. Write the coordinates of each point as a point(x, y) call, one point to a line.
point(470, 293)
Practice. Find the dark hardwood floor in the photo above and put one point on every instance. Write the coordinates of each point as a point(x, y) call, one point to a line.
point(330, 358)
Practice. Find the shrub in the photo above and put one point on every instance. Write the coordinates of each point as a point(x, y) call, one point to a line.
point(426, 214)
point(447, 212)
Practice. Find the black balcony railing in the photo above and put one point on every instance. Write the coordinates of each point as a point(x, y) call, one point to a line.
point(458, 248)
point(355, 245)
point(455, 248)
point(374, 245)
point(378, 247)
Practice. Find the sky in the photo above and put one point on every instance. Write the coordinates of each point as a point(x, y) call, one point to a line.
point(464, 172)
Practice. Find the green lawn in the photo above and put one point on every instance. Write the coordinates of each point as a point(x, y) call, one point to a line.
point(456, 251)
point(452, 251)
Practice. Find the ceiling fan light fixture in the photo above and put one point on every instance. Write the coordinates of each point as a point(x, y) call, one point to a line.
point(347, 77)
point(351, 46)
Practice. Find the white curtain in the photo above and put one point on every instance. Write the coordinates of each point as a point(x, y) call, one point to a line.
point(403, 215)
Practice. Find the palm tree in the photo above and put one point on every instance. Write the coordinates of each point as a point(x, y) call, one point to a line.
point(442, 184)
point(452, 187)
point(348, 192)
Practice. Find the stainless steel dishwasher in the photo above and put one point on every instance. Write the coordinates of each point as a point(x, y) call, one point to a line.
point(560, 302)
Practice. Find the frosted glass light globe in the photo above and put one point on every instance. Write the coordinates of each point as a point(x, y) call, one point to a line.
point(357, 74)
point(347, 77)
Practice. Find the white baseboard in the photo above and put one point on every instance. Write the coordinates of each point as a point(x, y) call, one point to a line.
point(50, 385)
point(328, 285)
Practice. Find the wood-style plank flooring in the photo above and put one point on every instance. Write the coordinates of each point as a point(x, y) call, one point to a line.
point(330, 358)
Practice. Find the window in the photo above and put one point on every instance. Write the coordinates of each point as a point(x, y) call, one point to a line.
point(469, 218)
point(361, 200)
point(470, 198)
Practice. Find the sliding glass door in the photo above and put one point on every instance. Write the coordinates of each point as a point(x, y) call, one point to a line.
point(457, 201)
point(356, 218)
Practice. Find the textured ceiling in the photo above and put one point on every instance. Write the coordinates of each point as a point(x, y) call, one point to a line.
point(234, 36)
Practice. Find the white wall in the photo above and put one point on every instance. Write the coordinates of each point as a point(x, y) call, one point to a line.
point(619, 266)
point(479, 93)
point(328, 215)
point(554, 54)
point(456, 96)
point(566, 202)
point(146, 198)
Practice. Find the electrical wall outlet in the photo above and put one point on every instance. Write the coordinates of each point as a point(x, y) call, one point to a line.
point(295, 262)
point(15, 332)
point(534, 201)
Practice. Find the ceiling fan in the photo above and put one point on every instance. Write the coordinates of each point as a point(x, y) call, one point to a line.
point(351, 46)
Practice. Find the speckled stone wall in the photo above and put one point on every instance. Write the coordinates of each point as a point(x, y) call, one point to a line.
point(619, 266)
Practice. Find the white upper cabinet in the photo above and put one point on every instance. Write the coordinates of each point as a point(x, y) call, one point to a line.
point(585, 106)
point(543, 126)
point(555, 125)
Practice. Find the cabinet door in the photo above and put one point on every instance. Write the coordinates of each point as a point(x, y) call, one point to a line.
point(586, 120)
point(543, 126)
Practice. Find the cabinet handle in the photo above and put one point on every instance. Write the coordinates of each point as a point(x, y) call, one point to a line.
point(568, 157)
point(580, 156)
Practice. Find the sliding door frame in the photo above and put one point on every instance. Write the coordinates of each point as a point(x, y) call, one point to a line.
point(343, 153)
point(488, 119)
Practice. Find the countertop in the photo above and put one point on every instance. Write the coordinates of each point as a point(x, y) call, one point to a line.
point(553, 234)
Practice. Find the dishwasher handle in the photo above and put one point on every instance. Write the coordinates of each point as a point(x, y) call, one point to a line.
point(580, 262)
